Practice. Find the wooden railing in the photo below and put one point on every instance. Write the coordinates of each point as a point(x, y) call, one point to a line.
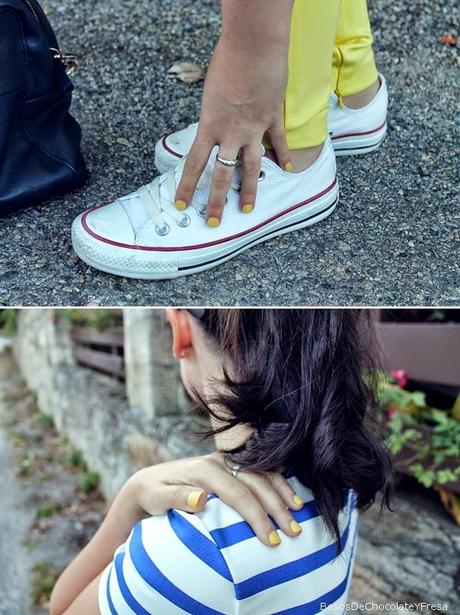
point(100, 350)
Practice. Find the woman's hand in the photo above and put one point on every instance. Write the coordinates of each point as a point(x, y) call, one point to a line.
point(243, 99)
point(185, 484)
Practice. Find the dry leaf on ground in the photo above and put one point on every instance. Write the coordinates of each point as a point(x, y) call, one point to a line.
point(188, 72)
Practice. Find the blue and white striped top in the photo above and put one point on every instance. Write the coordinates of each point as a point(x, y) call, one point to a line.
point(211, 563)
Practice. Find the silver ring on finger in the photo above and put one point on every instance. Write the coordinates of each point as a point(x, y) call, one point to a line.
point(235, 469)
point(227, 163)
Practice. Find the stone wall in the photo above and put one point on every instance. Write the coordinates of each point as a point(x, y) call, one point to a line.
point(117, 428)
point(410, 555)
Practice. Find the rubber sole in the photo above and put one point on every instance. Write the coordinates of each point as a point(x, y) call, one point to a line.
point(357, 145)
point(117, 261)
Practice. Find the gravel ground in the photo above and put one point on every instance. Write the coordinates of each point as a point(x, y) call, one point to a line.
point(46, 518)
point(14, 524)
point(394, 239)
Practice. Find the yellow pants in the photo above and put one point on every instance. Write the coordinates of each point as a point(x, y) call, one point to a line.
point(331, 42)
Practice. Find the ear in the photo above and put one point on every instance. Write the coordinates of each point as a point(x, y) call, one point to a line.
point(182, 336)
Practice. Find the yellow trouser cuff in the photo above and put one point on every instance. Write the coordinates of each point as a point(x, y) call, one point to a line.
point(331, 42)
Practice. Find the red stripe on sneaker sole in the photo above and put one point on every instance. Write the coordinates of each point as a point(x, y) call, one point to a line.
point(359, 134)
point(202, 245)
point(168, 149)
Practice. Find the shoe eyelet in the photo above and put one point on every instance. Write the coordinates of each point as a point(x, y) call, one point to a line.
point(184, 221)
point(202, 211)
point(262, 175)
point(162, 230)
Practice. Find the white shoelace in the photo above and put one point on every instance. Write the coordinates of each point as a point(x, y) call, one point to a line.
point(158, 197)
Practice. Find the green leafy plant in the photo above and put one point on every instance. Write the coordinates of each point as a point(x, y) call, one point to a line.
point(46, 420)
point(73, 459)
point(400, 434)
point(424, 476)
point(8, 321)
point(391, 395)
point(89, 481)
point(44, 578)
point(99, 319)
point(26, 465)
point(425, 441)
point(18, 438)
point(30, 544)
point(44, 512)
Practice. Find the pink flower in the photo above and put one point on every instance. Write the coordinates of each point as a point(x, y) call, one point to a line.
point(400, 377)
point(391, 410)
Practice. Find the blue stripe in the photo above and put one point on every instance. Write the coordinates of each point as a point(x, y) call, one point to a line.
point(237, 532)
point(291, 570)
point(127, 595)
point(153, 576)
point(199, 545)
point(318, 605)
point(109, 597)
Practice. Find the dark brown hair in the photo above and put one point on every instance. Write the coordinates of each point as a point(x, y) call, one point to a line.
point(298, 379)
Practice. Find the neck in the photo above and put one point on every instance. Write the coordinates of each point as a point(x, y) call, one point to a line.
point(232, 438)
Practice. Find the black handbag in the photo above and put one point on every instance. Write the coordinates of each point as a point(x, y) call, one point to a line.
point(39, 140)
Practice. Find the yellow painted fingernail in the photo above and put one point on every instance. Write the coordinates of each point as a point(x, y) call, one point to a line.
point(180, 205)
point(193, 499)
point(298, 500)
point(288, 166)
point(295, 527)
point(246, 209)
point(273, 538)
point(213, 222)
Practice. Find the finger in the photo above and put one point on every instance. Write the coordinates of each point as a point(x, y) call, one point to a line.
point(279, 143)
point(216, 479)
point(195, 164)
point(289, 496)
point(220, 185)
point(250, 178)
point(184, 497)
point(271, 502)
point(286, 492)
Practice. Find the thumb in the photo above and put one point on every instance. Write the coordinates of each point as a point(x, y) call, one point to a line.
point(186, 498)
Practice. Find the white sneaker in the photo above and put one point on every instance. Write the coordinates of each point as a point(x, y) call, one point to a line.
point(359, 131)
point(144, 236)
point(352, 131)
